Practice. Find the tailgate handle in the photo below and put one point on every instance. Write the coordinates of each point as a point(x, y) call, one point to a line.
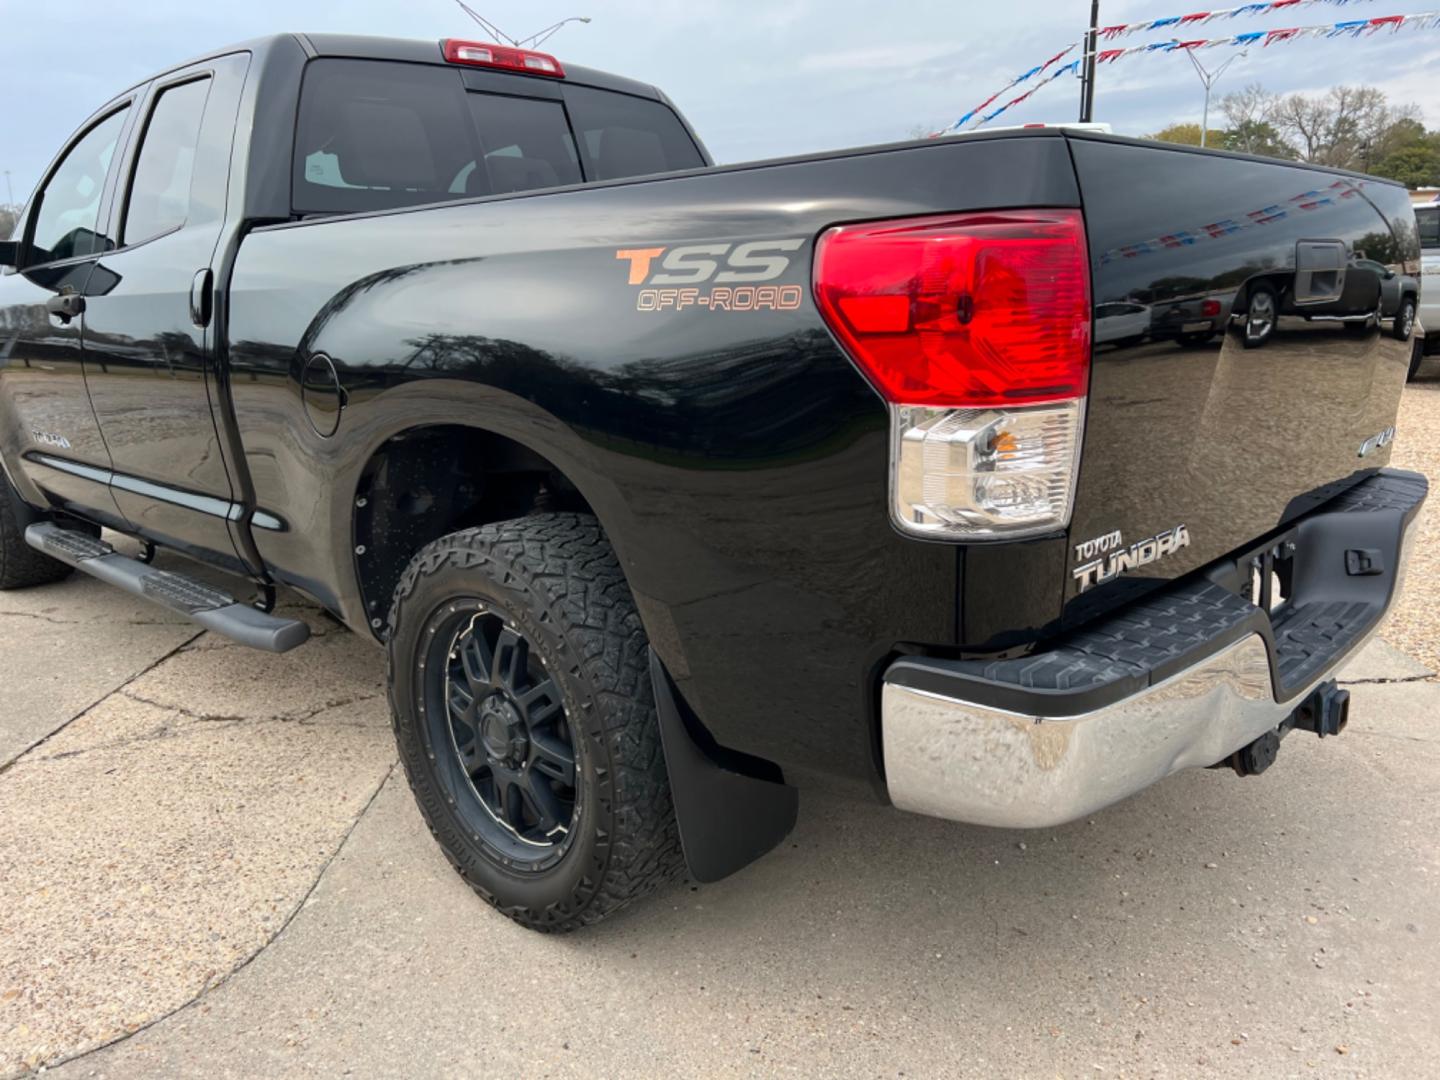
point(1319, 271)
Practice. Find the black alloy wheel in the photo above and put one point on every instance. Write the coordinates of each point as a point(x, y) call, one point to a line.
point(520, 690)
point(492, 704)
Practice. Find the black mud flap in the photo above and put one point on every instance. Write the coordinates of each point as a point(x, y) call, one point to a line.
point(731, 808)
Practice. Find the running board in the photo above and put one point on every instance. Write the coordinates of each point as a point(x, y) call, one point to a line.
point(212, 608)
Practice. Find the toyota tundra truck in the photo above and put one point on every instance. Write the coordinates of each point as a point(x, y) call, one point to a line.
point(670, 488)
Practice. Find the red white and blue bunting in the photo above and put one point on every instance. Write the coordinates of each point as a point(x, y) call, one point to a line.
point(1263, 38)
point(1353, 28)
point(1200, 18)
point(1026, 76)
point(1315, 199)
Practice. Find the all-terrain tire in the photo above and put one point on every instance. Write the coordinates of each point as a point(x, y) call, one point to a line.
point(21, 565)
point(557, 578)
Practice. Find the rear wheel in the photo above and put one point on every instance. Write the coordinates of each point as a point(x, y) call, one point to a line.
point(1404, 320)
point(1260, 314)
point(21, 565)
point(520, 688)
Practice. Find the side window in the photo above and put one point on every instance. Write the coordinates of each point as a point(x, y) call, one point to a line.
point(373, 135)
point(159, 198)
point(1428, 219)
point(621, 135)
point(69, 204)
point(525, 143)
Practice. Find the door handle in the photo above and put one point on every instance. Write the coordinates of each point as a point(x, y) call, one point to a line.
point(200, 297)
point(65, 306)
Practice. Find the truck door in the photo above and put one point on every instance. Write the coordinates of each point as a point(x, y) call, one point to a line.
point(51, 438)
point(148, 320)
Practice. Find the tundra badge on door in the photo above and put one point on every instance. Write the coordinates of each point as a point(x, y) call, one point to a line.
point(45, 438)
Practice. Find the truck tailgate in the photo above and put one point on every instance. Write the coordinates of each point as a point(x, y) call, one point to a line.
point(1267, 376)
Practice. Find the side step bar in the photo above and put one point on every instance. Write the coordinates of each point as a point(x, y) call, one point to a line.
point(210, 607)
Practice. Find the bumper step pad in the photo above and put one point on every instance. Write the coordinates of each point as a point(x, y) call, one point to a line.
point(212, 608)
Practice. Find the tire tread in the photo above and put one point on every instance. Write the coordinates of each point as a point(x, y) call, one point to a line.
point(568, 560)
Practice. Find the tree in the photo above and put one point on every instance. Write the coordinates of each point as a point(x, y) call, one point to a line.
point(1416, 164)
point(1352, 127)
point(1188, 135)
point(1258, 137)
point(1251, 105)
point(8, 216)
point(1251, 113)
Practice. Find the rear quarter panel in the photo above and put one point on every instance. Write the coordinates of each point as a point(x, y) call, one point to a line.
point(736, 459)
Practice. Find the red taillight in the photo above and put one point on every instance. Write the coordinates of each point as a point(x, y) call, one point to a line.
point(485, 54)
point(1210, 308)
point(976, 310)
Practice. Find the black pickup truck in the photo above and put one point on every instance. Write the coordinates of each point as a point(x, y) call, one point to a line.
point(667, 487)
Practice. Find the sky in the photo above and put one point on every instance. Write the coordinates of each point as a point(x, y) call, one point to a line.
point(756, 78)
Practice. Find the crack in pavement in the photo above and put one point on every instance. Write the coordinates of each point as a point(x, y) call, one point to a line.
point(210, 987)
point(41, 617)
point(6, 766)
point(1400, 738)
point(1385, 681)
point(299, 717)
point(166, 731)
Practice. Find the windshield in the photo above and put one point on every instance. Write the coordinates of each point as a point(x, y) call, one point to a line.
point(1428, 218)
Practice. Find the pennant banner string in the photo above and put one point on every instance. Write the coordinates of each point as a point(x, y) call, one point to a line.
point(1264, 38)
point(958, 124)
point(1200, 18)
point(1318, 199)
point(1353, 28)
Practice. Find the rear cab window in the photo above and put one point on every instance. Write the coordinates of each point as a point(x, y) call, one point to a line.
point(379, 135)
point(620, 135)
point(159, 197)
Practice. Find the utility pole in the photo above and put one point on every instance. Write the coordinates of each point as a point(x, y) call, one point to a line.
point(1209, 79)
point(1087, 80)
point(9, 191)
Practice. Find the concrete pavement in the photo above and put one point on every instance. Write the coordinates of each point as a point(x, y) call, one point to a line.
point(214, 871)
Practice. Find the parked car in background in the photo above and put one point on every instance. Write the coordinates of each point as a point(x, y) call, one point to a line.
point(1194, 320)
point(1427, 219)
point(1121, 323)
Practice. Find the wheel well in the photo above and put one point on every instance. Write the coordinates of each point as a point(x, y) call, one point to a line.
point(426, 483)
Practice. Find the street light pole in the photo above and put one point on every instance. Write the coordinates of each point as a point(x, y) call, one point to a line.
point(534, 41)
point(1087, 80)
point(1208, 79)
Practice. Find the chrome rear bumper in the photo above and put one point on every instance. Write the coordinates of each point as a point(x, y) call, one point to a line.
point(979, 754)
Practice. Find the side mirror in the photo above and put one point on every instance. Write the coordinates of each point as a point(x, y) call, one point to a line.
point(9, 253)
point(1389, 275)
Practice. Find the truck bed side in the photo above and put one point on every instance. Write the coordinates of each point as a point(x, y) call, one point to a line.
point(736, 458)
